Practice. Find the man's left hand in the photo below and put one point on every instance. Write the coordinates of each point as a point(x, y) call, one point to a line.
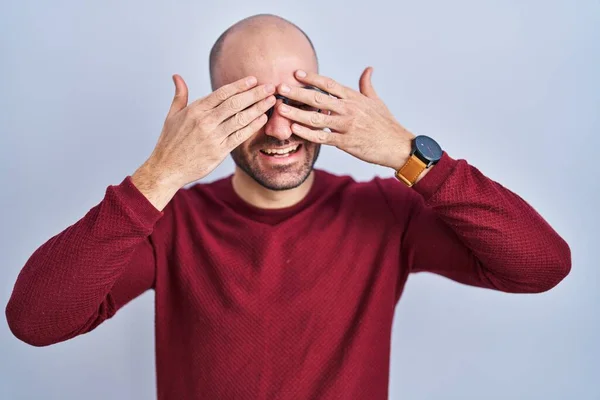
point(360, 123)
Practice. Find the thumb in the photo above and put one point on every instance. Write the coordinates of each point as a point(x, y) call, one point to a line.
point(181, 96)
point(365, 85)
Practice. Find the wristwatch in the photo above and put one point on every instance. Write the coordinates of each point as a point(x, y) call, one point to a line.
point(425, 153)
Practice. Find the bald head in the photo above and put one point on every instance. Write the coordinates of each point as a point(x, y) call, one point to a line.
point(271, 49)
point(262, 45)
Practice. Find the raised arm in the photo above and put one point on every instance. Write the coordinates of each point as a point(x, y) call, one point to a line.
point(83, 275)
point(455, 221)
point(460, 224)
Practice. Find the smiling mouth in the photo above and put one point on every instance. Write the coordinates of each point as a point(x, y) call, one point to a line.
point(283, 152)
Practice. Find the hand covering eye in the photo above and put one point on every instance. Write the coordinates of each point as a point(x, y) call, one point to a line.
point(295, 103)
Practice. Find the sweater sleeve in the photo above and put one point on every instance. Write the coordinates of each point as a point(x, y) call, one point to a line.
point(460, 224)
point(84, 274)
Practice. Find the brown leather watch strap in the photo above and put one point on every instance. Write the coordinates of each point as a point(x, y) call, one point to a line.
point(411, 170)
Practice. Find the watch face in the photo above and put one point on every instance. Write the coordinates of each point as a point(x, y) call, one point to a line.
point(428, 148)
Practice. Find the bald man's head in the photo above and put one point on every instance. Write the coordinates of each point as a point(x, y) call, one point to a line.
point(271, 49)
point(254, 39)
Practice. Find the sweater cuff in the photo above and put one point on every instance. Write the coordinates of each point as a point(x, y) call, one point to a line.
point(140, 207)
point(434, 179)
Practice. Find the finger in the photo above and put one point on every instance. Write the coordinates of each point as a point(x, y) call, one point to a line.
point(240, 136)
point(318, 135)
point(326, 84)
point(312, 118)
point(243, 118)
point(366, 86)
point(181, 96)
point(225, 92)
point(241, 101)
point(315, 98)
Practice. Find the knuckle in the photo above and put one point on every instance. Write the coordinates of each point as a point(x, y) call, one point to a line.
point(208, 120)
point(235, 103)
point(241, 119)
point(212, 116)
point(316, 118)
point(222, 94)
point(258, 93)
point(199, 123)
point(238, 137)
point(320, 98)
point(330, 83)
point(322, 136)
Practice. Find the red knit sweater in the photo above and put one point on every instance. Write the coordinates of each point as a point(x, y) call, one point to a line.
point(295, 303)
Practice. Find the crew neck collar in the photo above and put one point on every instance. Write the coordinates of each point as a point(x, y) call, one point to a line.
point(272, 215)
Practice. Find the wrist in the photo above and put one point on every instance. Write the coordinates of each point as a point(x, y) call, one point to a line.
point(425, 172)
point(421, 175)
point(415, 163)
point(156, 185)
point(156, 177)
point(400, 157)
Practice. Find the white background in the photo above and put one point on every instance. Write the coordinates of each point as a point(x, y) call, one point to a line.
point(510, 86)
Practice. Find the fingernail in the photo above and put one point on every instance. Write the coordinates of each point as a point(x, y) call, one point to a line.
point(271, 99)
point(301, 74)
point(285, 89)
point(284, 108)
point(251, 81)
point(270, 88)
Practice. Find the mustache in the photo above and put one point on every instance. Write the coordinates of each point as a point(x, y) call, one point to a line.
point(267, 141)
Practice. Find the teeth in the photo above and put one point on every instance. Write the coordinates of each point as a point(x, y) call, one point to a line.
point(281, 151)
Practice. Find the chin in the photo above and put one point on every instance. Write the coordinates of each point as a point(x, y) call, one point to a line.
point(281, 181)
point(278, 171)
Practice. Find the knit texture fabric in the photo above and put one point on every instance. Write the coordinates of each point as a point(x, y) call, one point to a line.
point(293, 303)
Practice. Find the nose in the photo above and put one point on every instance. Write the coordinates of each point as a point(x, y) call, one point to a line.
point(278, 126)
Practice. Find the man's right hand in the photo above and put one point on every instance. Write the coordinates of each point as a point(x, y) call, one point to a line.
point(196, 138)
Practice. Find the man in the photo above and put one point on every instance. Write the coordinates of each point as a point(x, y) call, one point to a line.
point(280, 282)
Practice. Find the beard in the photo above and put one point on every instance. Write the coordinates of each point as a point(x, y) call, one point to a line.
point(272, 176)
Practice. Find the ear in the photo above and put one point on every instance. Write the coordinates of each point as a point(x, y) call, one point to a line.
point(365, 85)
